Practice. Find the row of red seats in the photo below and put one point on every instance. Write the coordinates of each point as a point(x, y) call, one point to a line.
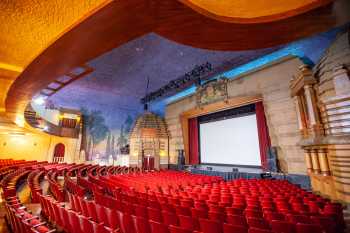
point(288, 190)
point(69, 220)
point(162, 180)
point(255, 188)
point(163, 219)
point(7, 162)
point(254, 201)
point(13, 165)
point(73, 187)
point(34, 179)
point(145, 207)
point(22, 221)
point(88, 185)
point(82, 171)
point(9, 182)
point(55, 188)
point(17, 216)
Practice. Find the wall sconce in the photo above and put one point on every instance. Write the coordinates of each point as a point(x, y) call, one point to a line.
point(19, 120)
point(40, 100)
point(162, 153)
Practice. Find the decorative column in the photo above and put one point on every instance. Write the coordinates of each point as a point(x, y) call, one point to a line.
point(314, 160)
point(313, 114)
point(308, 160)
point(323, 160)
point(300, 115)
point(309, 96)
point(301, 86)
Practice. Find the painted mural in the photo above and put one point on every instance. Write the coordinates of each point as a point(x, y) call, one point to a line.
point(100, 140)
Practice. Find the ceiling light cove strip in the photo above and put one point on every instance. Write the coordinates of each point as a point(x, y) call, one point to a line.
point(10, 67)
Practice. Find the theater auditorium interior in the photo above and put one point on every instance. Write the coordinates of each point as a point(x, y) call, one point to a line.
point(175, 116)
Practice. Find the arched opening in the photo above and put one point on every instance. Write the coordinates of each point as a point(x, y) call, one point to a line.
point(58, 155)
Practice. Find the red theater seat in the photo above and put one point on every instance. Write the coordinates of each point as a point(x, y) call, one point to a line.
point(282, 226)
point(176, 229)
point(91, 207)
point(229, 228)
point(112, 220)
point(257, 230)
point(258, 223)
point(308, 228)
point(327, 223)
point(141, 224)
point(86, 225)
point(236, 220)
point(180, 210)
point(154, 214)
point(140, 211)
point(157, 227)
point(126, 223)
point(234, 211)
point(170, 218)
point(199, 213)
point(208, 226)
point(188, 222)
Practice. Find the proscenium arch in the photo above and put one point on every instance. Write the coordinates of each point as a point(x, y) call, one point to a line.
point(121, 21)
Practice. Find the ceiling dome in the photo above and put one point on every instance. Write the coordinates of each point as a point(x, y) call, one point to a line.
point(149, 125)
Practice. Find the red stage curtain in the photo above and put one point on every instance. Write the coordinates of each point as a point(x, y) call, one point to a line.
point(263, 132)
point(193, 141)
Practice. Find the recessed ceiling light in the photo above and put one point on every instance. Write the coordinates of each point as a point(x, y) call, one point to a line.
point(138, 49)
point(40, 100)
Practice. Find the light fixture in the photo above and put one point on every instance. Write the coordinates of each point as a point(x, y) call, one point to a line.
point(162, 153)
point(40, 100)
point(19, 120)
point(16, 133)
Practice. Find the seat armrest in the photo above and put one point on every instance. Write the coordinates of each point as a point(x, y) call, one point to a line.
point(29, 219)
point(39, 224)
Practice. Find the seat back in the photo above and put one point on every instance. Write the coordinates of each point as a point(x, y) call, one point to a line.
point(229, 228)
point(282, 226)
point(209, 226)
point(141, 224)
point(176, 229)
point(170, 218)
point(308, 228)
point(188, 222)
point(157, 227)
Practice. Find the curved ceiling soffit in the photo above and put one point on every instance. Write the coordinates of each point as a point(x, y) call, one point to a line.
point(246, 12)
point(121, 21)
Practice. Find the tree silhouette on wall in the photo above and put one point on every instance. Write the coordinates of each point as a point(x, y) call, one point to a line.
point(95, 131)
point(108, 146)
point(122, 141)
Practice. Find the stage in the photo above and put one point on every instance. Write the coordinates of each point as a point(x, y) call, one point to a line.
point(237, 172)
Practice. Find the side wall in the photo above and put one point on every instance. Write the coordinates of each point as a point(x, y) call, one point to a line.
point(37, 147)
point(272, 82)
